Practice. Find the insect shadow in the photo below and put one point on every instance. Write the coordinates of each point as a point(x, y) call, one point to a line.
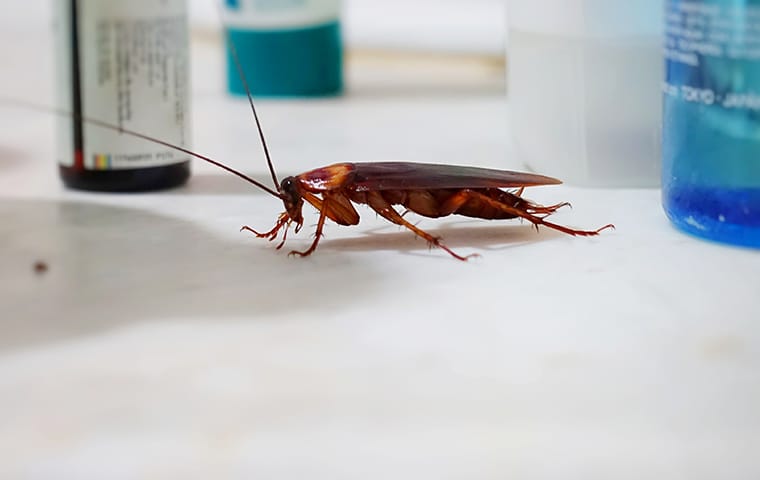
point(111, 266)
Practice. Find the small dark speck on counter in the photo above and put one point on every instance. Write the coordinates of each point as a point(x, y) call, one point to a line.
point(40, 267)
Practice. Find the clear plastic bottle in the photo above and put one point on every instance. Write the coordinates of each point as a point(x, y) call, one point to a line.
point(584, 82)
point(125, 63)
point(711, 136)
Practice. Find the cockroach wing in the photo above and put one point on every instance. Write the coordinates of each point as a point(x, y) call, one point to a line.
point(410, 176)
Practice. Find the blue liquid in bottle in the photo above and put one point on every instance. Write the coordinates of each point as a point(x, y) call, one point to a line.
point(711, 136)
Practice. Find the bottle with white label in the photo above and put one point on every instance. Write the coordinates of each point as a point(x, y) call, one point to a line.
point(584, 89)
point(124, 63)
point(711, 136)
point(287, 48)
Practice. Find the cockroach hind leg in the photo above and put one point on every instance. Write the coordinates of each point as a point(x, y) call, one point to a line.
point(536, 220)
point(556, 207)
point(454, 254)
point(574, 232)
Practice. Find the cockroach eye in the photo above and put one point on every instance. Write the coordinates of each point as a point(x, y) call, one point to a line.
point(288, 185)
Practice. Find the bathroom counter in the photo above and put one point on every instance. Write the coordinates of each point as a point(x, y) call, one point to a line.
point(162, 342)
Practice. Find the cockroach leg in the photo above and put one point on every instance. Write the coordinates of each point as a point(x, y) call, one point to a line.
point(376, 201)
point(285, 235)
point(435, 241)
point(282, 220)
point(317, 235)
point(547, 210)
point(526, 214)
point(246, 228)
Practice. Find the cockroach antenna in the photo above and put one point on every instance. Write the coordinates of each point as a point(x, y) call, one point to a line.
point(149, 138)
point(12, 102)
point(244, 81)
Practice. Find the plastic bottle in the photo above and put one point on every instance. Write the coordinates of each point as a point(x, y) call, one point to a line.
point(584, 81)
point(711, 137)
point(287, 48)
point(126, 63)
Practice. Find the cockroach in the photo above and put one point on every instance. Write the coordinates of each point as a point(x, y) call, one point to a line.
point(426, 189)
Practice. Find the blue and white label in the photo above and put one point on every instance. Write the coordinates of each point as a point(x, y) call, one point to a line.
point(713, 53)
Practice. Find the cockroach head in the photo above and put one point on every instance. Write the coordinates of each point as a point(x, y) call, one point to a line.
point(292, 198)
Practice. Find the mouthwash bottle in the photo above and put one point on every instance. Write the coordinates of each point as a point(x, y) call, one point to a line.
point(711, 135)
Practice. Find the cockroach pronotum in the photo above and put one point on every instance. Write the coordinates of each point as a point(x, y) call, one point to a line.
point(426, 189)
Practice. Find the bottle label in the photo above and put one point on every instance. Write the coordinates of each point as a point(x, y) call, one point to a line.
point(125, 63)
point(277, 14)
point(709, 47)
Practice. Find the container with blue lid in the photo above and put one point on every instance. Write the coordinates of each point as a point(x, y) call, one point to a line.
point(287, 48)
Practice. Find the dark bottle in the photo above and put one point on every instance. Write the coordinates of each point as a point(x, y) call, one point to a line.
point(127, 64)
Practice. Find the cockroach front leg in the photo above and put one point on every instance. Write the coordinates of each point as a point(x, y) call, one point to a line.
point(317, 236)
point(282, 220)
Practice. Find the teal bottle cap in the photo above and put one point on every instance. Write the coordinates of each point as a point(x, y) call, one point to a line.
point(293, 62)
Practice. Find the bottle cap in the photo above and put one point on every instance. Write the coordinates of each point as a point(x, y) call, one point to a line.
point(290, 62)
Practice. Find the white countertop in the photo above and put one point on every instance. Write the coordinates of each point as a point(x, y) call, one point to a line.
point(163, 343)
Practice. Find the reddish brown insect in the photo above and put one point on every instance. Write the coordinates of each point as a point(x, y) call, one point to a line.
point(428, 190)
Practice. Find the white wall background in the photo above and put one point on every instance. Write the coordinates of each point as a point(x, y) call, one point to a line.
point(459, 26)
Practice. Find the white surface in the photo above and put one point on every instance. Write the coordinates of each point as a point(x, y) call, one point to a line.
point(163, 343)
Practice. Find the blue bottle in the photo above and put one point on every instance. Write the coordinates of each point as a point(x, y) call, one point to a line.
point(711, 119)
